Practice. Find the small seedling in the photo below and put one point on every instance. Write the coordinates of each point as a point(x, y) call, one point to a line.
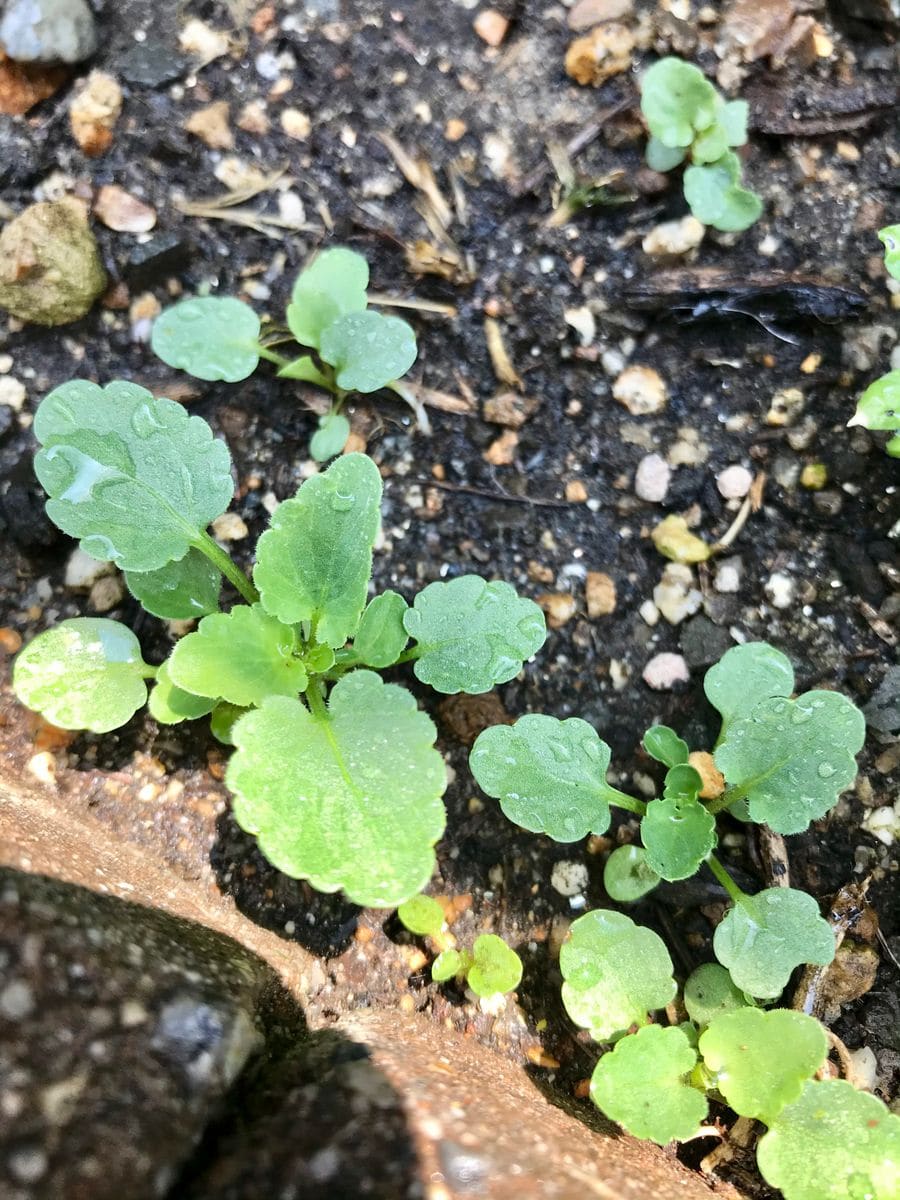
point(879, 405)
point(490, 968)
point(351, 347)
point(689, 120)
point(785, 761)
point(334, 771)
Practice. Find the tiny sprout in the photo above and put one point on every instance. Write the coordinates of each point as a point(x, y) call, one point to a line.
point(879, 405)
point(489, 968)
point(422, 916)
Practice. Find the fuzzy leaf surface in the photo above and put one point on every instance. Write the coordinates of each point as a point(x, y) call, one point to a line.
point(331, 436)
point(332, 285)
point(716, 197)
point(709, 991)
point(496, 966)
point(314, 561)
point(368, 350)
point(627, 875)
point(210, 337)
point(449, 964)
point(879, 405)
point(549, 775)
point(746, 675)
point(472, 634)
point(170, 705)
point(421, 915)
point(135, 478)
point(180, 590)
point(381, 637)
point(305, 370)
point(664, 744)
point(678, 833)
point(352, 801)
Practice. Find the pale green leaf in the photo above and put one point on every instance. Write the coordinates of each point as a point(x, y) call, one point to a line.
point(762, 1059)
point(241, 656)
point(793, 758)
point(664, 158)
point(381, 637)
point(549, 775)
point(368, 350)
point(834, 1143)
point(734, 116)
point(85, 673)
point(879, 405)
point(627, 876)
point(642, 1084)
point(170, 705)
point(314, 562)
point(305, 370)
point(136, 479)
point(331, 436)
point(716, 197)
point(421, 915)
point(351, 801)
point(664, 744)
point(890, 237)
point(763, 938)
point(222, 721)
point(210, 337)
point(332, 285)
point(711, 144)
point(472, 634)
point(496, 967)
point(709, 991)
point(744, 676)
point(678, 101)
point(615, 973)
point(449, 964)
point(678, 834)
point(180, 590)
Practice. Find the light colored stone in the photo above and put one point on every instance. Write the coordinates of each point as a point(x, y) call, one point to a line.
point(106, 593)
point(229, 527)
point(600, 54)
point(780, 590)
point(83, 571)
point(212, 126)
point(583, 321)
point(734, 482)
point(651, 480)
point(43, 31)
point(883, 823)
point(664, 670)
point(296, 124)
point(713, 779)
point(672, 239)
point(502, 451)
point(599, 594)
point(728, 575)
point(587, 13)
point(203, 41)
point(559, 606)
point(649, 613)
point(569, 878)
point(93, 113)
point(676, 595)
point(121, 211)
point(641, 390)
point(491, 26)
point(12, 392)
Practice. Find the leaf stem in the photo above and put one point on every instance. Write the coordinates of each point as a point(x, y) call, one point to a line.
point(623, 800)
point(270, 356)
point(729, 796)
point(149, 672)
point(232, 572)
point(725, 879)
point(316, 701)
point(409, 655)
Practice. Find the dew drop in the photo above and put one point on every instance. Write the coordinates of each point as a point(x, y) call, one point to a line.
point(87, 473)
point(145, 422)
point(342, 502)
point(825, 770)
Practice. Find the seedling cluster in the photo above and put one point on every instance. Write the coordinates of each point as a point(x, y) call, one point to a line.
point(352, 348)
point(879, 405)
point(689, 121)
point(489, 968)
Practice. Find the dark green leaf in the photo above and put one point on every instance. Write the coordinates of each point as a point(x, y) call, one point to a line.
point(180, 590)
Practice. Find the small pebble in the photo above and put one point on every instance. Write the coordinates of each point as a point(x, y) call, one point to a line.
point(780, 590)
point(651, 481)
point(229, 528)
point(734, 482)
point(559, 607)
point(491, 26)
point(569, 878)
point(296, 124)
point(106, 593)
point(12, 392)
point(641, 390)
point(675, 595)
point(83, 571)
point(600, 594)
point(674, 238)
point(728, 575)
point(663, 671)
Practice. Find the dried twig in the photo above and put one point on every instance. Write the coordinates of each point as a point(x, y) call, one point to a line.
point(500, 360)
point(573, 147)
point(429, 306)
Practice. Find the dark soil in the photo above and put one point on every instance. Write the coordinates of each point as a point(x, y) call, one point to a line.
point(407, 68)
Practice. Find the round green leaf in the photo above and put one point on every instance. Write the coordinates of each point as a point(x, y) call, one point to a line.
point(314, 561)
point(421, 915)
point(85, 673)
point(834, 1143)
point(663, 158)
point(449, 964)
point(241, 656)
point(678, 101)
point(368, 350)
point(763, 938)
point(332, 285)
point(627, 876)
point(615, 973)
point(331, 436)
point(210, 337)
point(711, 144)
point(472, 634)
point(716, 197)
point(890, 237)
point(677, 834)
point(762, 1059)
point(381, 638)
point(733, 117)
point(709, 992)
point(793, 758)
point(549, 775)
point(171, 705)
point(180, 590)
point(664, 744)
point(351, 801)
point(642, 1085)
point(496, 967)
point(879, 405)
point(222, 721)
point(136, 479)
point(744, 676)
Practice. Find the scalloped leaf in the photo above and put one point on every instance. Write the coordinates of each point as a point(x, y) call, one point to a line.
point(241, 656)
point(495, 968)
point(210, 337)
point(709, 992)
point(332, 285)
point(890, 238)
point(368, 350)
point(793, 758)
point(381, 638)
point(746, 675)
point(180, 590)
point(677, 101)
point(314, 562)
point(351, 801)
point(716, 197)
point(761, 1060)
point(549, 775)
point(678, 833)
point(85, 673)
point(664, 744)
point(223, 719)
point(421, 915)
point(834, 1143)
point(472, 634)
point(616, 973)
point(135, 478)
point(170, 705)
point(331, 436)
point(627, 875)
point(643, 1085)
point(763, 938)
point(664, 158)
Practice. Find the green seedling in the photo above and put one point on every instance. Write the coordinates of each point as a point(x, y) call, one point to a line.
point(879, 405)
point(490, 968)
point(334, 771)
point(690, 122)
point(350, 347)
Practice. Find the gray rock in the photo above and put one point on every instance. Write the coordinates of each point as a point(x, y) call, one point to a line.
point(48, 31)
point(883, 710)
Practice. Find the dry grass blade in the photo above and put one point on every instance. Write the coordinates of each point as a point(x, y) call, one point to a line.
point(500, 360)
point(418, 173)
point(227, 207)
point(429, 306)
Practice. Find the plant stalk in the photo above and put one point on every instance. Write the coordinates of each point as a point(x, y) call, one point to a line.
point(232, 572)
point(725, 879)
